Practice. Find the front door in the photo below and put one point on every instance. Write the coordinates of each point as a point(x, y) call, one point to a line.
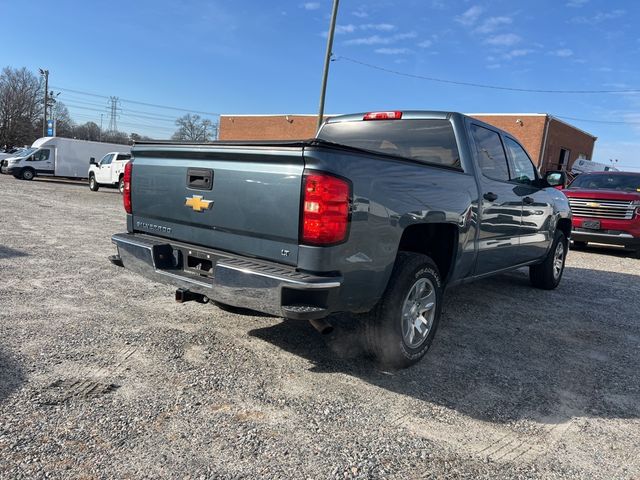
point(500, 204)
point(537, 204)
point(44, 161)
point(103, 175)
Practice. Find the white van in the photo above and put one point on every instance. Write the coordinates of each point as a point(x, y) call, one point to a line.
point(108, 171)
point(59, 157)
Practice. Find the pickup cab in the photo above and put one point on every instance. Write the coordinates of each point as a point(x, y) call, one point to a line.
point(108, 171)
point(606, 209)
point(380, 213)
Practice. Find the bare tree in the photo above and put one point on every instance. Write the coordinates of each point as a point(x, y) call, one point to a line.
point(87, 131)
point(193, 128)
point(21, 104)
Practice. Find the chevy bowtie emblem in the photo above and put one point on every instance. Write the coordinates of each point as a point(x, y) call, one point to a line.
point(198, 204)
point(593, 204)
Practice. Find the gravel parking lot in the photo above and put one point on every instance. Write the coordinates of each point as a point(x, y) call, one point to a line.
point(103, 375)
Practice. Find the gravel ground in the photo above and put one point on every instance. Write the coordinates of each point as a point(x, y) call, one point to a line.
point(102, 375)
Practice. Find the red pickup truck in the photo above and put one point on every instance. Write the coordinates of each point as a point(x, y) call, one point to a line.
point(606, 209)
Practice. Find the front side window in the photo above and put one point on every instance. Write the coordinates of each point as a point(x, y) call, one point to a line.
point(491, 156)
point(523, 170)
point(41, 155)
point(425, 140)
point(106, 160)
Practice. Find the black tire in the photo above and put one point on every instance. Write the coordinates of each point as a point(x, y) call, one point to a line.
point(93, 185)
point(121, 184)
point(28, 174)
point(545, 275)
point(384, 327)
point(579, 245)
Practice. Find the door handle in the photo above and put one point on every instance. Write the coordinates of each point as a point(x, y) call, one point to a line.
point(492, 197)
point(528, 200)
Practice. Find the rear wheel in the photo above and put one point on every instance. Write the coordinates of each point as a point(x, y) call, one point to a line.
point(93, 185)
point(121, 184)
point(404, 322)
point(28, 174)
point(547, 274)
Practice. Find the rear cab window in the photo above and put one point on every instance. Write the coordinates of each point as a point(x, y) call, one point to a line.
point(430, 141)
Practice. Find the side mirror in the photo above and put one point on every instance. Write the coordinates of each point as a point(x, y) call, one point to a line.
point(556, 179)
point(92, 161)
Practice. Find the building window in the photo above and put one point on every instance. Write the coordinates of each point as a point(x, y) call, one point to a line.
point(563, 160)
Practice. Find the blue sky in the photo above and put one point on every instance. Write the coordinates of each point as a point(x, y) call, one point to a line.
point(266, 57)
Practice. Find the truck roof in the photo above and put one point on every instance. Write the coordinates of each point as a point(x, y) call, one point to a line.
point(406, 115)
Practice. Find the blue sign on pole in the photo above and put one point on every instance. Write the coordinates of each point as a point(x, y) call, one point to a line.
point(50, 128)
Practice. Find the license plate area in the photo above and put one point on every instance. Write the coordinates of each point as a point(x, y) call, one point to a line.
point(199, 263)
point(591, 224)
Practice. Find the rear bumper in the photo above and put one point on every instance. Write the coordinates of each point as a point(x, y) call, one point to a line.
point(238, 281)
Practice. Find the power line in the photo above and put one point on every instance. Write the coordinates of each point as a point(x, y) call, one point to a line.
point(480, 85)
point(125, 100)
point(609, 122)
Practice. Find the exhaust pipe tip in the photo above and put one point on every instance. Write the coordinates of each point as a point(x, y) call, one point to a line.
point(322, 326)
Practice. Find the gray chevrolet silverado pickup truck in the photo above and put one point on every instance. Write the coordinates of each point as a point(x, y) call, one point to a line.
point(379, 213)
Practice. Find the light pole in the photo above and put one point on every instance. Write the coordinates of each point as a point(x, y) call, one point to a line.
point(327, 60)
point(45, 74)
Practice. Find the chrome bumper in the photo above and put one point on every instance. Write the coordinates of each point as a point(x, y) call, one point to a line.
point(238, 281)
point(620, 238)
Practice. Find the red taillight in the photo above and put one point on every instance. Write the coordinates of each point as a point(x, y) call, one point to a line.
point(126, 192)
point(325, 209)
point(383, 116)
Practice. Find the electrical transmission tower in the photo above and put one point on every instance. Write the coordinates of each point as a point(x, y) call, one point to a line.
point(113, 126)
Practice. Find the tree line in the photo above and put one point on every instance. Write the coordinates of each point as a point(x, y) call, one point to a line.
point(22, 115)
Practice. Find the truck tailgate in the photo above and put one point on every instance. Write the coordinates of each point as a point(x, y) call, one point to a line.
point(250, 205)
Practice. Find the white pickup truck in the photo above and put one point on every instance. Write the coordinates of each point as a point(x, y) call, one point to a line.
point(108, 171)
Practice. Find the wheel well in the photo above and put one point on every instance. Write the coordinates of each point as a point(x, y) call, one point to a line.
point(437, 240)
point(120, 177)
point(91, 174)
point(564, 225)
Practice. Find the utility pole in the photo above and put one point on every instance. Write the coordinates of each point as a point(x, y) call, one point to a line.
point(45, 74)
point(100, 134)
point(327, 60)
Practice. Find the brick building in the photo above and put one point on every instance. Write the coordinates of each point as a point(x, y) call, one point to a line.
point(551, 143)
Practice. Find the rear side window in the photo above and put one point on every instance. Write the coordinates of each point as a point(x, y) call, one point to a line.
point(429, 141)
point(123, 156)
point(491, 156)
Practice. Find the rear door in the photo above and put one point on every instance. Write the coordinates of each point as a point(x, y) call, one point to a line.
point(500, 205)
point(244, 200)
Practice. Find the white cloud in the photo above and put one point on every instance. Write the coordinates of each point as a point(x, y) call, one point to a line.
point(392, 51)
point(381, 27)
point(492, 23)
point(311, 6)
point(425, 44)
point(351, 28)
point(519, 52)
point(493, 66)
point(379, 40)
point(563, 52)
point(503, 40)
point(599, 17)
point(470, 16)
point(576, 3)
point(360, 13)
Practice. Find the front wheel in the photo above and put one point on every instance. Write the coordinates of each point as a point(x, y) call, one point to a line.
point(404, 322)
point(547, 274)
point(28, 174)
point(93, 185)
